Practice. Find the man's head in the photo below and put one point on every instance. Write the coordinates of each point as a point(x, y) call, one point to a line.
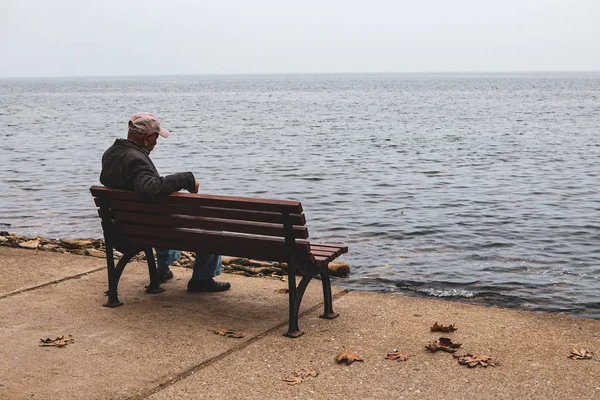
point(144, 129)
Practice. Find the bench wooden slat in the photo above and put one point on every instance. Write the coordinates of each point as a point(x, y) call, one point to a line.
point(204, 200)
point(321, 261)
point(246, 252)
point(258, 228)
point(337, 246)
point(339, 249)
point(214, 212)
point(328, 254)
point(237, 245)
point(336, 251)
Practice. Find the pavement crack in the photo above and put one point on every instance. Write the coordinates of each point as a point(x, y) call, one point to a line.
point(191, 371)
point(52, 282)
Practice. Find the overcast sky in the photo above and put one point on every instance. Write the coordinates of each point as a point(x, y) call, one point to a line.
point(134, 37)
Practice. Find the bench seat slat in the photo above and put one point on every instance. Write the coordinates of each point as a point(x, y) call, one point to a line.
point(328, 254)
point(205, 200)
point(256, 253)
point(237, 245)
point(178, 221)
point(339, 250)
point(213, 212)
point(321, 261)
point(327, 250)
point(337, 246)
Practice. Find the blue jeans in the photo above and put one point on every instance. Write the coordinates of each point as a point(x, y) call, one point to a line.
point(206, 266)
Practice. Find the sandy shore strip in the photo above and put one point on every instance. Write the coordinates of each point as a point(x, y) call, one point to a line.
point(164, 346)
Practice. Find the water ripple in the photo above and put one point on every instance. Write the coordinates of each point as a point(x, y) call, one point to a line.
point(475, 187)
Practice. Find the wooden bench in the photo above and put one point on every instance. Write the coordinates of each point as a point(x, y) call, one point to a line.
point(262, 229)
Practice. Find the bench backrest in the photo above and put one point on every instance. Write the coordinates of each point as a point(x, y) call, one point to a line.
point(233, 226)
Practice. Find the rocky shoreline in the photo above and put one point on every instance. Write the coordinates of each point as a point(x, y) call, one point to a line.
point(96, 248)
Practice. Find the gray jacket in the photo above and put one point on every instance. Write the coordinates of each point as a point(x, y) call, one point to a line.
point(126, 165)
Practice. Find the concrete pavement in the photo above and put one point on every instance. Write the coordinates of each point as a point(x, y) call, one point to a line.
point(163, 346)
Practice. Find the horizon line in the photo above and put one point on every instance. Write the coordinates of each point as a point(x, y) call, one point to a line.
point(300, 73)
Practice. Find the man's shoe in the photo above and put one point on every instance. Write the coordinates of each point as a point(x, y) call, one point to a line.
point(165, 276)
point(207, 285)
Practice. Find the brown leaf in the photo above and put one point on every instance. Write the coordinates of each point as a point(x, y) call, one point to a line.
point(229, 333)
point(282, 291)
point(441, 328)
point(58, 341)
point(396, 355)
point(292, 380)
point(472, 361)
point(444, 344)
point(300, 375)
point(347, 357)
point(448, 343)
point(305, 373)
point(581, 354)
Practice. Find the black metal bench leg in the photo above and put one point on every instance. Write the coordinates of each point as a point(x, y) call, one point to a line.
point(154, 286)
point(114, 274)
point(295, 299)
point(327, 298)
point(113, 282)
point(293, 329)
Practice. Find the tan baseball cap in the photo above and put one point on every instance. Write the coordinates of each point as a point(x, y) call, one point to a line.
point(144, 123)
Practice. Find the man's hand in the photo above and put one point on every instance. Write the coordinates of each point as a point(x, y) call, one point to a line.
point(196, 188)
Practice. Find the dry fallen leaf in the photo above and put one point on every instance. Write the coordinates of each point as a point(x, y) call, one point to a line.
point(396, 355)
point(282, 290)
point(472, 361)
point(305, 373)
point(581, 354)
point(300, 375)
point(292, 380)
point(58, 341)
point(441, 328)
point(444, 344)
point(347, 357)
point(229, 333)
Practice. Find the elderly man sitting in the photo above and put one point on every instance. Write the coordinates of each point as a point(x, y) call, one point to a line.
point(127, 165)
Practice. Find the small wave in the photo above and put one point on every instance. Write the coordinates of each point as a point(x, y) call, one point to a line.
point(423, 232)
point(448, 293)
point(479, 257)
point(383, 185)
point(312, 179)
point(496, 244)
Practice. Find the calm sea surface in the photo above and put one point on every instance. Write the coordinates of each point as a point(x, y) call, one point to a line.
point(475, 187)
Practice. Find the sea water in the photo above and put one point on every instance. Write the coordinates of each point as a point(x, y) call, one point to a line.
point(474, 187)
